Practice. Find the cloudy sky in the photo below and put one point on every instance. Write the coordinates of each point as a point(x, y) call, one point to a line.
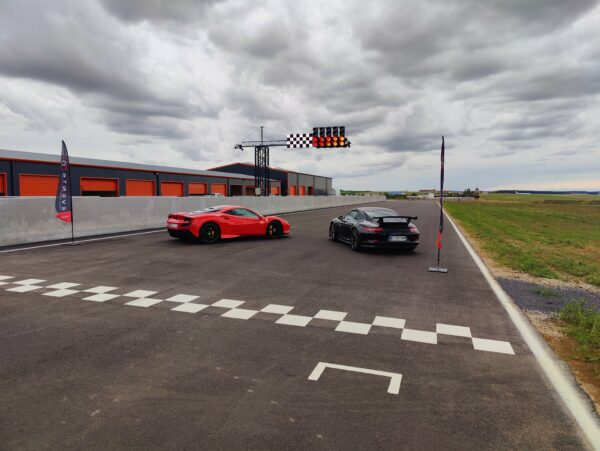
point(513, 85)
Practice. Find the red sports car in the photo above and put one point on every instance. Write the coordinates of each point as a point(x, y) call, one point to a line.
point(211, 224)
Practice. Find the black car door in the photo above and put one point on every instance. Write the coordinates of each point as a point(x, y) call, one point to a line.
point(347, 224)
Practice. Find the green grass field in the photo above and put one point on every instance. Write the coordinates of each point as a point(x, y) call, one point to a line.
point(551, 236)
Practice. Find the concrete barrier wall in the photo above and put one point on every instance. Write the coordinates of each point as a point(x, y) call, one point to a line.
point(32, 219)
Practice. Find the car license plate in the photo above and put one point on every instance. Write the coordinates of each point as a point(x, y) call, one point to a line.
point(172, 226)
point(397, 238)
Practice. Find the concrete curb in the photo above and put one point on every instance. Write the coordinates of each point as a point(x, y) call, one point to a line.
point(555, 370)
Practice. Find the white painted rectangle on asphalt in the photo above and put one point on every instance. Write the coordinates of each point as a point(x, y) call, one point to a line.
point(395, 378)
point(294, 320)
point(101, 297)
point(182, 298)
point(144, 302)
point(457, 331)
point(277, 309)
point(385, 321)
point(189, 307)
point(240, 313)
point(331, 315)
point(353, 328)
point(228, 303)
point(482, 344)
point(420, 336)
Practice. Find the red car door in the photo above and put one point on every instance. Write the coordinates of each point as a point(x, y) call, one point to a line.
point(250, 223)
point(232, 223)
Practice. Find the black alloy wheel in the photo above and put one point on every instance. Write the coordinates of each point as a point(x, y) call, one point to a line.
point(332, 234)
point(210, 233)
point(354, 240)
point(274, 230)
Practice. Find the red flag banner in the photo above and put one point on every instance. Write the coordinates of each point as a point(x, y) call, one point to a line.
point(441, 229)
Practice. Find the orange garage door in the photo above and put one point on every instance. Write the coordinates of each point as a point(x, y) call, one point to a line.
point(196, 189)
point(275, 190)
point(38, 185)
point(99, 187)
point(2, 185)
point(303, 190)
point(171, 189)
point(218, 188)
point(293, 191)
point(140, 188)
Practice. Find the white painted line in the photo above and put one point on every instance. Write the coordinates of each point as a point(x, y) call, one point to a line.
point(29, 281)
point(101, 297)
point(4, 283)
point(60, 293)
point(276, 308)
point(294, 320)
point(63, 285)
point(331, 315)
point(228, 303)
point(6, 277)
point(503, 347)
point(562, 381)
point(100, 289)
point(79, 241)
point(182, 298)
point(140, 294)
point(189, 307)
point(457, 331)
point(240, 313)
point(353, 328)
point(385, 321)
point(395, 378)
point(421, 336)
point(25, 288)
point(144, 302)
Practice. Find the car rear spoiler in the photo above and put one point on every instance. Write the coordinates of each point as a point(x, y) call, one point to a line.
point(393, 219)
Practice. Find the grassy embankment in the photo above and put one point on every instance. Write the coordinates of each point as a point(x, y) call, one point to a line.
point(551, 236)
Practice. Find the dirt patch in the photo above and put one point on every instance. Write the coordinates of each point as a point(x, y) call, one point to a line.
point(587, 374)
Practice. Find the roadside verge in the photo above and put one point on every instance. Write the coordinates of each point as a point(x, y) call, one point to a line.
point(560, 378)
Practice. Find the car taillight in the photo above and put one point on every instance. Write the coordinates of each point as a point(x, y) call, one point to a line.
point(373, 229)
point(413, 228)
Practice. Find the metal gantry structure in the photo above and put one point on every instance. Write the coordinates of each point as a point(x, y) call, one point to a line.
point(262, 176)
point(322, 137)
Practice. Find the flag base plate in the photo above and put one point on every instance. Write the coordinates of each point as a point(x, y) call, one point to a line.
point(438, 269)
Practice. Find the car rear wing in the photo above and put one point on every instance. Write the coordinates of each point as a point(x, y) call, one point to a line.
point(395, 219)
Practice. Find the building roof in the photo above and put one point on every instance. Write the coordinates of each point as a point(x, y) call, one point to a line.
point(270, 167)
point(78, 161)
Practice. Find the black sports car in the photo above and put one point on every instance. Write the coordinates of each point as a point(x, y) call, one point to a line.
point(375, 227)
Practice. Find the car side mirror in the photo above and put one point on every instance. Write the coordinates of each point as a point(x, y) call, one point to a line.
point(341, 218)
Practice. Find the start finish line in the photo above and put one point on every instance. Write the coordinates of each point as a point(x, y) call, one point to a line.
point(395, 378)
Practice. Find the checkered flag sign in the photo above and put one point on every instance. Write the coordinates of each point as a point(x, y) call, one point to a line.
point(299, 140)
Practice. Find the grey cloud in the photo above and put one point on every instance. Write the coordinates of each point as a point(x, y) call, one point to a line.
point(158, 10)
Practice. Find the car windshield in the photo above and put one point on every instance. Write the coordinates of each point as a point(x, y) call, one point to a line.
point(379, 212)
point(209, 209)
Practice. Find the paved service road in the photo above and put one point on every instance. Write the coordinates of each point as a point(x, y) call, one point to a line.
point(149, 342)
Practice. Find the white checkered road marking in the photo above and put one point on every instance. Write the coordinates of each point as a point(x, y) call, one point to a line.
point(26, 285)
point(3, 280)
point(185, 304)
point(331, 315)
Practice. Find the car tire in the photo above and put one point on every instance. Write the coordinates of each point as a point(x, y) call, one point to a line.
point(210, 233)
point(274, 229)
point(332, 233)
point(354, 238)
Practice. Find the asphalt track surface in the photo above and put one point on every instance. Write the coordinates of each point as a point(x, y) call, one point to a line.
point(78, 374)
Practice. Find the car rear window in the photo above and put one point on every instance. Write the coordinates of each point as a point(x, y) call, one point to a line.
point(380, 212)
